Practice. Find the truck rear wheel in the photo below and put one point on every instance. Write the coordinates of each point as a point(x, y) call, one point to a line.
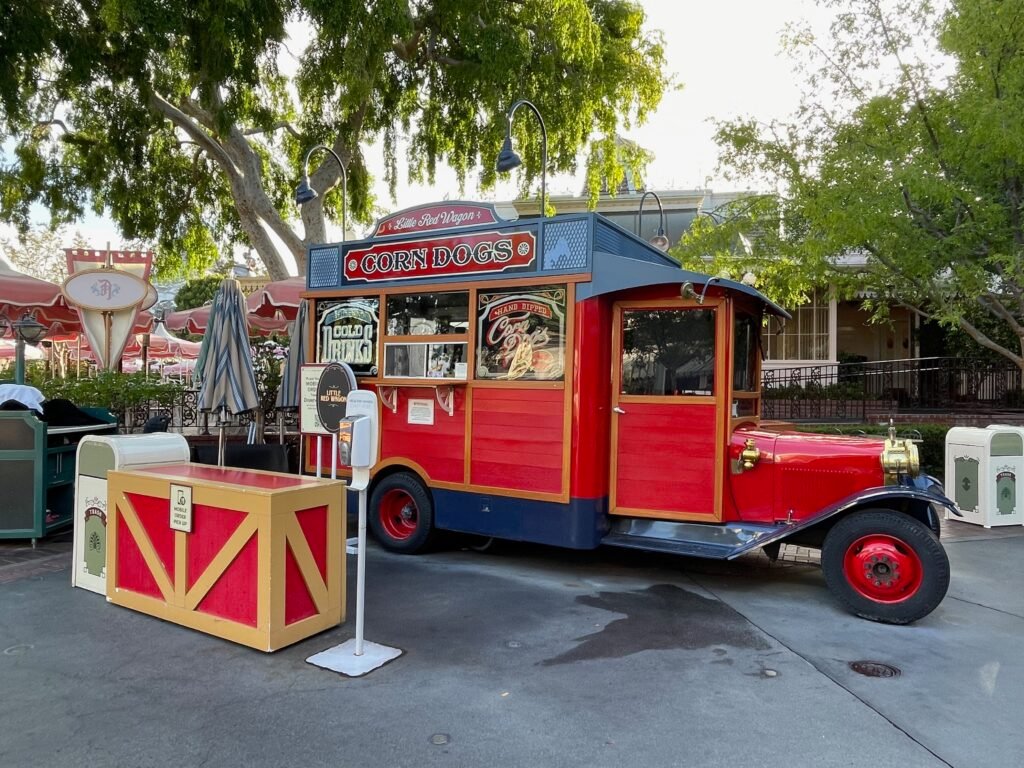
point(885, 566)
point(401, 514)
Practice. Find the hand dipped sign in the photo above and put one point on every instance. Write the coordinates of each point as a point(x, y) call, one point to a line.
point(471, 254)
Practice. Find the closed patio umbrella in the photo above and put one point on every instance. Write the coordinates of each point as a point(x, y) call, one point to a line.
point(224, 367)
point(288, 392)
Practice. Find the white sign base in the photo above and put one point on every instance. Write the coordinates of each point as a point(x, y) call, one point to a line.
point(342, 658)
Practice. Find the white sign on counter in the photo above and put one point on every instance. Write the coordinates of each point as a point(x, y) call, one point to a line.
point(181, 508)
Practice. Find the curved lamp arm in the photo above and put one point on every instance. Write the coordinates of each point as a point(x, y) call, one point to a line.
point(508, 159)
point(304, 192)
point(659, 240)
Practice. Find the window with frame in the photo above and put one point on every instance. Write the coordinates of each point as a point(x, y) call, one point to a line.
point(521, 334)
point(746, 348)
point(668, 352)
point(346, 332)
point(805, 336)
point(440, 324)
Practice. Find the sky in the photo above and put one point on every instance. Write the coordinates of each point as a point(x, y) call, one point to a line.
point(726, 54)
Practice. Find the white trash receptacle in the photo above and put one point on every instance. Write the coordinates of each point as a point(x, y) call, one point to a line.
point(97, 455)
point(983, 467)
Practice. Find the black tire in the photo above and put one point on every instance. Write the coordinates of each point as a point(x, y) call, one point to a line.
point(401, 514)
point(906, 581)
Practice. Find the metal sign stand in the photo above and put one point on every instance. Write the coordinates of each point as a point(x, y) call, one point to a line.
point(357, 657)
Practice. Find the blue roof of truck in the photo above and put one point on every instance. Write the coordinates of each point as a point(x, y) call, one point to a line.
point(570, 244)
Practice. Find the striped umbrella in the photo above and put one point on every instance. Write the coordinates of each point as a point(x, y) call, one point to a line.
point(224, 367)
point(288, 394)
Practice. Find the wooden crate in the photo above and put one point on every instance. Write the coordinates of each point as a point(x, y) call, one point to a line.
point(264, 563)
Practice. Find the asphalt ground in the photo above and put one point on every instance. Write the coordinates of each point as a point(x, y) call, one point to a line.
point(532, 656)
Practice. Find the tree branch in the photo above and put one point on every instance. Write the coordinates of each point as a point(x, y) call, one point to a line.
point(275, 127)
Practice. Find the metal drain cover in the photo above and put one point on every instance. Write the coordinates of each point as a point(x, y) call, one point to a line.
point(874, 669)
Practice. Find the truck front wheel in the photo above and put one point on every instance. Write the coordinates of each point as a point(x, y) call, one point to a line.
point(401, 514)
point(885, 566)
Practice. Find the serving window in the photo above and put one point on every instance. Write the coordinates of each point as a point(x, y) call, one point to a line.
point(428, 314)
point(521, 334)
point(427, 336)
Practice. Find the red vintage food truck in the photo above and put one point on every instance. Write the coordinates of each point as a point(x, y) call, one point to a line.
point(559, 380)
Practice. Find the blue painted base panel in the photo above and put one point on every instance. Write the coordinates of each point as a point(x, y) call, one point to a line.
point(579, 524)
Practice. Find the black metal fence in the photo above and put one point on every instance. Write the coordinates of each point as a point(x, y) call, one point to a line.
point(183, 415)
point(847, 391)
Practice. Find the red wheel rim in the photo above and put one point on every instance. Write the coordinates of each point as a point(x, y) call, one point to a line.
point(399, 515)
point(883, 568)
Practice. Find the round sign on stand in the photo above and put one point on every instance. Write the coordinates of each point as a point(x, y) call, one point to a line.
point(336, 381)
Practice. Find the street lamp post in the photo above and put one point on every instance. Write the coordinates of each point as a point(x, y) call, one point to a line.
point(508, 158)
point(659, 241)
point(304, 192)
point(27, 330)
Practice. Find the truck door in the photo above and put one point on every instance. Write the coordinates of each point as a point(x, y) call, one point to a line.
point(667, 434)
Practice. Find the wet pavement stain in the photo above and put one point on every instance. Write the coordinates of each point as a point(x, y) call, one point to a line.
point(662, 617)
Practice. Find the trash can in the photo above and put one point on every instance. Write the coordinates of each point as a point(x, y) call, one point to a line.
point(97, 455)
point(982, 471)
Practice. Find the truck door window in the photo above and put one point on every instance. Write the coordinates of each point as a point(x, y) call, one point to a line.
point(745, 352)
point(668, 352)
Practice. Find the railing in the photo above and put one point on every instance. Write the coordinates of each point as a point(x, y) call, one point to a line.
point(847, 391)
point(184, 416)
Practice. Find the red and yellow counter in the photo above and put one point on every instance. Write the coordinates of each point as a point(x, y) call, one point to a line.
point(263, 564)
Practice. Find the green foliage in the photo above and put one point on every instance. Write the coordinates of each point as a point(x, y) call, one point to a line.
point(114, 391)
point(932, 448)
point(902, 175)
point(267, 361)
point(187, 120)
point(197, 292)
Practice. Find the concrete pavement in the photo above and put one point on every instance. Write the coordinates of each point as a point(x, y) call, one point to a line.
point(530, 656)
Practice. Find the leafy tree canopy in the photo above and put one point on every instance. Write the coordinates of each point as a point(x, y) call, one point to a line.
point(179, 119)
point(40, 252)
point(197, 291)
point(903, 173)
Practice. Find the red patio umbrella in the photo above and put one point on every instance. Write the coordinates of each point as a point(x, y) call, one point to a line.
point(20, 293)
point(279, 298)
point(196, 320)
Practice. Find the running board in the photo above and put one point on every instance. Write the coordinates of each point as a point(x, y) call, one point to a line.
point(715, 541)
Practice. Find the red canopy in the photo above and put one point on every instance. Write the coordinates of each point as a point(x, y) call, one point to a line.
point(195, 321)
point(20, 293)
point(280, 298)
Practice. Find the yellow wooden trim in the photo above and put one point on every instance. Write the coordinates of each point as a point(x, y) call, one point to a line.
point(227, 554)
point(517, 384)
point(180, 566)
point(743, 394)
point(560, 498)
point(717, 400)
point(146, 549)
point(666, 514)
point(569, 369)
point(278, 546)
point(403, 462)
point(303, 555)
point(667, 399)
point(427, 338)
point(265, 566)
point(616, 374)
point(412, 382)
point(723, 388)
